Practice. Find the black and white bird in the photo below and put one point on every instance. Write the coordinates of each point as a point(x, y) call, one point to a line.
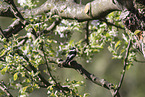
point(72, 53)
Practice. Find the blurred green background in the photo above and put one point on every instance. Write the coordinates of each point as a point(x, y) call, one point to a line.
point(102, 66)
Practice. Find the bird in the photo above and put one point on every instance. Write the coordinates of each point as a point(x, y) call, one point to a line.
point(72, 53)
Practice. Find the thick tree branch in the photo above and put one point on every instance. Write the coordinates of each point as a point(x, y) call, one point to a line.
point(101, 82)
point(71, 10)
point(6, 10)
point(66, 10)
point(14, 28)
point(13, 6)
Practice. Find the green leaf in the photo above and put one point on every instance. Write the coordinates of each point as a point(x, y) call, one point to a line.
point(2, 53)
point(71, 42)
point(117, 44)
point(128, 66)
point(122, 51)
point(15, 76)
point(24, 88)
point(86, 95)
point(3, 71)
point(137, 31)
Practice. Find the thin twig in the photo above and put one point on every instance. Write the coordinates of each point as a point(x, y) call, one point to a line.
point(87, 32)
point(139, 61)
point(4, 89)
point(34, 69)
point(46, 62)
point(49, 71)
point(51, 27)
point(54, 24)
point(2, 33)
point(1, 59)
point(125, 65)
point(111, 24)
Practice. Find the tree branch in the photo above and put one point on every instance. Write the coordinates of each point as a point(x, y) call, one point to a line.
point(53, 25)
point(139, 61)
point(6, 10)
point(71, 10)
point(101, 82)
point(87, 32)
point(14, 28)
point(66, 10)
point(34, 69)
point(111, 24)
point(124, 68)
point(4, 89)
point(13, 6)
point(2, 33)
point(49, 71)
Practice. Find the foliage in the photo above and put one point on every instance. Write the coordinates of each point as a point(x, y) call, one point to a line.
point(22, 51)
